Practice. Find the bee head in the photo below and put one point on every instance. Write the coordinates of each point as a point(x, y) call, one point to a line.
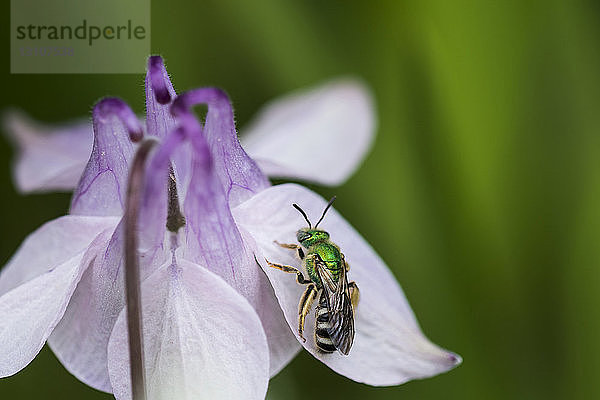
point(309, 236)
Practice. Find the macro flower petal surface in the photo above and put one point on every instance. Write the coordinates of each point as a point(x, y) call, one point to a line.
point(80, 339)
point(389, 347)
point(237, 172)
point(159, 96)
point(190, 351)
point(30, 311)
point(49, 158)
point(50, 245)
point(160, 122)
point(320, 135)
point(101, 189)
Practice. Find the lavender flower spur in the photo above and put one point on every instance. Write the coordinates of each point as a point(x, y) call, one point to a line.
point(216, 324)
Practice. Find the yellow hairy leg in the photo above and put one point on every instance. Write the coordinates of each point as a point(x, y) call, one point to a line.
point(306, 301)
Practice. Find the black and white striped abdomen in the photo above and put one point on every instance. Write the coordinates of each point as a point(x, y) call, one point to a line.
point(322, 324)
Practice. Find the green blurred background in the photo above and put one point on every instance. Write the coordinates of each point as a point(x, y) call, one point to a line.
point(482, 191)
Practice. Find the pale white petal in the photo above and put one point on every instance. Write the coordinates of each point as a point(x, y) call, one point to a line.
point(389, 347)
point(320, 135)
point(30, 311)
point(202, 340)
point(51, 245)
point(252, 283)
point(80, 340)
point(48, 158)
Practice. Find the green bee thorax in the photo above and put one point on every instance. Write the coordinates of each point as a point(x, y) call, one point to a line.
point(325, 252)
point(328, 252)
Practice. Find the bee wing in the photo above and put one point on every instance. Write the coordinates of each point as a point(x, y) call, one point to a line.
point(339, 305)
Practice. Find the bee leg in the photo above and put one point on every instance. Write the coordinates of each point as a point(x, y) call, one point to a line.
point(286, 268)
point(354, 294)
point(306, 301)
point(345, 263)
point(292, 247)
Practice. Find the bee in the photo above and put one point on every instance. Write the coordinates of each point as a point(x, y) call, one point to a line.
point(327, 279)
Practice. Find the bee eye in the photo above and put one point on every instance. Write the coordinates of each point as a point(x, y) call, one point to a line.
point(302, 236)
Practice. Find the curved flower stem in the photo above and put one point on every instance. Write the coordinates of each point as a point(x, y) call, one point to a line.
point(132, 271)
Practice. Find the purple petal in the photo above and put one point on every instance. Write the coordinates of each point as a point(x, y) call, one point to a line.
point(101, 189)
point(213, 240)
point(30, 311)
point(53, 244)
point(159, 120)
point(81, 338)
point(49, 158)
point(202, 339)
point(159, 93)
point(320, 135)
point(389, 347)
point(153, 213)
point(238, 173)
point(212, 236)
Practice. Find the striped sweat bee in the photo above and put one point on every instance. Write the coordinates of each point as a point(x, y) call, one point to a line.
point(327, 272)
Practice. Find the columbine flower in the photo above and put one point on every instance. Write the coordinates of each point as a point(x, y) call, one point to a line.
point(65, 283)
point(232, 217)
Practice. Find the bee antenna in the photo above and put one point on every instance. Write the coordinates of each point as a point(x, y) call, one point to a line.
point(325, 211)
point(297, 207)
